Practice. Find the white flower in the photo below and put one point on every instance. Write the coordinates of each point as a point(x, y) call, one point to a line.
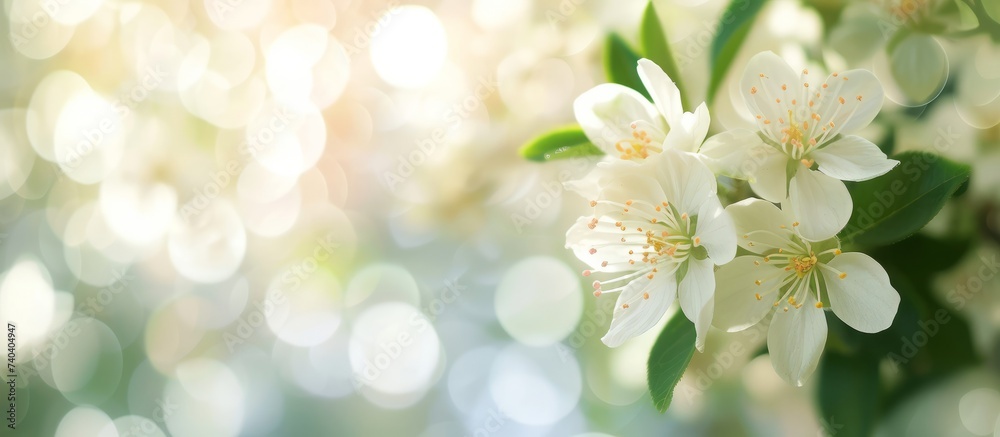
point(661, 227)
point(626, 125)
point(799, 279)
point(803, 122)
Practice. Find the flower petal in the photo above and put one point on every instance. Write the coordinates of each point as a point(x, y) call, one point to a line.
point(853, 158)
point(822, 204)
point(768, 178)
point(695, 293)
point(641, 312)
point(761, 86)
point(686, 181)
point(622, 188)
point(606, 112)
point(864, 299)
point(862, 100)
point(688, 132)
point(662, 89)
point(736, 304)
point(735, 153)
point(716, 232)
point(762, 223)
point(605, 239)
point(589, 187)
point(795, 341)
point(699, 124)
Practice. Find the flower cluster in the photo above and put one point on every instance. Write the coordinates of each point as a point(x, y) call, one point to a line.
point(660, 232)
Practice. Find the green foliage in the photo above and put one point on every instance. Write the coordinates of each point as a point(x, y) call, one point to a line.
point(894, 206)
point(848, 394)
point(656, 48)
point(928, 340)
point(734, 26)
point(560, 143)
point(620, 63)
point(669, 358)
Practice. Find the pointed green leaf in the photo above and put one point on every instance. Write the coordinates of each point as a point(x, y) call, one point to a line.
point(620, 63)
point(656, 48)
point(734, 25)
point(894, 206)
point(564, 142)
point(669, 358)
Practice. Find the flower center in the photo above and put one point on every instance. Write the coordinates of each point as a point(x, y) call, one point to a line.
point(799, 262)
point(652, 236)
point(808, 116)
point(803, 264)
point(641, 144)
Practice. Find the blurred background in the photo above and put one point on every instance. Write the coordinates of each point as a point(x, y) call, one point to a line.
point(309, 217)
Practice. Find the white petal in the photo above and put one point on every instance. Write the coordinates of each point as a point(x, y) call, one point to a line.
point(795, 341)
point(589, 187)
point(641, 313)
point(605, 236)
point(607, 111)
point(735, 153)
point(864, 299)
point(821, 204)
point(688, 132)
point(716, 232)
point(761, 87)
point(695, 293)
point(623, 188)
point(854, 114)
point(767, 177)
point(687, 182)
point(762, 222)
point(700, 124)
point(736, 304)
point(662, 89)
point(853, 158)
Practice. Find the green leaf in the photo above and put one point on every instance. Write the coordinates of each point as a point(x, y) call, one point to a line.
point(734, 26)
point(848, 394)
point(894, 206)
point(620, 63)
point(560, 143)
point(656, 48)
point(669, 358)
